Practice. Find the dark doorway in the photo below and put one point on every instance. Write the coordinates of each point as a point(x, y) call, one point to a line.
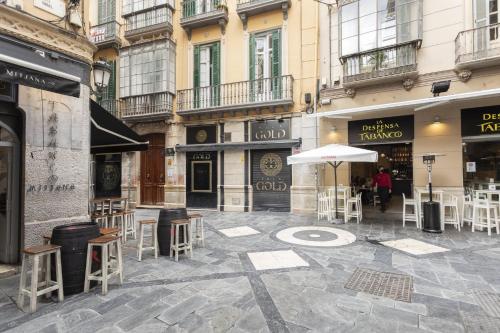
point(271, 180)
point(10, 168)
point(201, 179)
point(153, 170)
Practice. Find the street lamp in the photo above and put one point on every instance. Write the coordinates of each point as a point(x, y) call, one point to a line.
point(102, 73)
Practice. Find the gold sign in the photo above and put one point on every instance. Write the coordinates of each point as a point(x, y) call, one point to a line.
point(201, 136)
point(268, 185)
point(271, 164)
point(490, 123)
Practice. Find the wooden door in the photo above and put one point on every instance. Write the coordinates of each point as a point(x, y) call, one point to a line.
point(153, 171)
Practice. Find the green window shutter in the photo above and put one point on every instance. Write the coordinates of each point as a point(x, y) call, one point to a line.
point(101, 11)
point(196, 76)
point(251, 66)
point(276, 65)
point(215, 77)
point(112, 81)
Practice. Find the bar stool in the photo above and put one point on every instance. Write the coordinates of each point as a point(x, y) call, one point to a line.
point(38, 253)
point(355, 208)
point(323, 206)
point(453, 218)
point(199, 232)
point(175, 245)
point(154, 238)
point(413, 217)
point(130, 227)
point(46, 239)
point(107, 270)
point(100, 218)
point(118, 221)
point(481, 208)
point(467, 206)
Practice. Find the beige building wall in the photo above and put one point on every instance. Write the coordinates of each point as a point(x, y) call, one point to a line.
point(442, 22)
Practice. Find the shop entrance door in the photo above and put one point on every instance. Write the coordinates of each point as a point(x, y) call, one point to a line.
point(153, 171)
point(271, 180)
point(9, 198)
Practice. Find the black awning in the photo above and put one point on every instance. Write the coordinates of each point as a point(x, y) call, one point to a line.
point(110, 135)
point(253, 145)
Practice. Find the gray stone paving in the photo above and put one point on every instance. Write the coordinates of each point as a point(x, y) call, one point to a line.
point(219, 290)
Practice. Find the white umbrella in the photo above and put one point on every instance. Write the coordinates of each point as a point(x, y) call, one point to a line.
point(334, 155)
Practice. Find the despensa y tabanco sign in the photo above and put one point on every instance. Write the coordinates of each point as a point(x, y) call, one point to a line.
point(481, 121)
point(380, 130)
point(31, 78)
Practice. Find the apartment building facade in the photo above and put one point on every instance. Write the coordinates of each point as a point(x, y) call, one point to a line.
point(45, 63)
point(237, 74)
point(379, 61)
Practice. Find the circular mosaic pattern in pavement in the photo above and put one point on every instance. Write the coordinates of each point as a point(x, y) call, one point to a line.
point(316, 236)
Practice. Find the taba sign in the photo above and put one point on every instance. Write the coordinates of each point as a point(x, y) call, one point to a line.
point(481, 121)
point(381, 130)
point(270, 130)
point(31, 78)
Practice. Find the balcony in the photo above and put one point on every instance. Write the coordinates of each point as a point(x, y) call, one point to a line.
point(478, 47)
point(236, 96)
point(146, 107)
point(391, 64)
point(148, 22)
point(106, 35)
point(247, 8)
point(201, 13)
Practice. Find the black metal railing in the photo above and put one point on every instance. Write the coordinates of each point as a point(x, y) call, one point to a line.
point(111, 105)
point(478, 44)
point(193, 8)
point(151, 18)
point(380, 63)
point(105, 32)
point(150, 105)
point(237, 94)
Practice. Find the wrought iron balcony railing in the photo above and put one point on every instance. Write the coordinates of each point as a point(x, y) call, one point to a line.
point(137, 6)
point(478, 47)
point(270, 92)
point(112, 106)
point(149, 21)
point(387, 63)
point(156, 105)
point(198, 13)
point(106, 33)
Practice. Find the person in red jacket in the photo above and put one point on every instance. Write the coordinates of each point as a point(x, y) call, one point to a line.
point(384, 186)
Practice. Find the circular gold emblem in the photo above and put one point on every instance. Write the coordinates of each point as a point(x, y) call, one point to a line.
point(201, 136)
point(271, 164)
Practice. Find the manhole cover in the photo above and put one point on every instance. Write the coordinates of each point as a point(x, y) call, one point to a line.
point(488, 300)
point(479, 322)
point(390, 285)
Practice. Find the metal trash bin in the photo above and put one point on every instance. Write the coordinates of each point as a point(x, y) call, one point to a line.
point(432, 217)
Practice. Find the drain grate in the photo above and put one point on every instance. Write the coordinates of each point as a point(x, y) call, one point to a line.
point(390, 285)
point(478, 322)
point(488, 300)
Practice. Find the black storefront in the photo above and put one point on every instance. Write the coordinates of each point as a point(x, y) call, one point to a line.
point(481, 147)
point(201, 168)
point(392, 138)
point(271, 176)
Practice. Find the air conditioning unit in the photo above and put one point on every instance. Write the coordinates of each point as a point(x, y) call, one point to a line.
point(14, 3)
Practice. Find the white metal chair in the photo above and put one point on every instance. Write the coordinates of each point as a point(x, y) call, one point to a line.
point(411, 216)
point(323, 206)
point(481, 216)
point(451, 214)
point(467, 207)
point(355, 208)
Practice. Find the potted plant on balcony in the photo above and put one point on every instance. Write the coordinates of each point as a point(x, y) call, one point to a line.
point(221, 6)
point(376, 60)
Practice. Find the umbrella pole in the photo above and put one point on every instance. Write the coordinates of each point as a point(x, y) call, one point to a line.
point(335, 165)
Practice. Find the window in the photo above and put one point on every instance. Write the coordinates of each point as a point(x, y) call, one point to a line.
point(196, 7)
point(265, 64)
point(130, 6)
point(147, 69)
point(207, 74)
point(369, 24)
point(106, 11)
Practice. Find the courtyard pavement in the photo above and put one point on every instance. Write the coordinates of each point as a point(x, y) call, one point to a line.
point(268, 278)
